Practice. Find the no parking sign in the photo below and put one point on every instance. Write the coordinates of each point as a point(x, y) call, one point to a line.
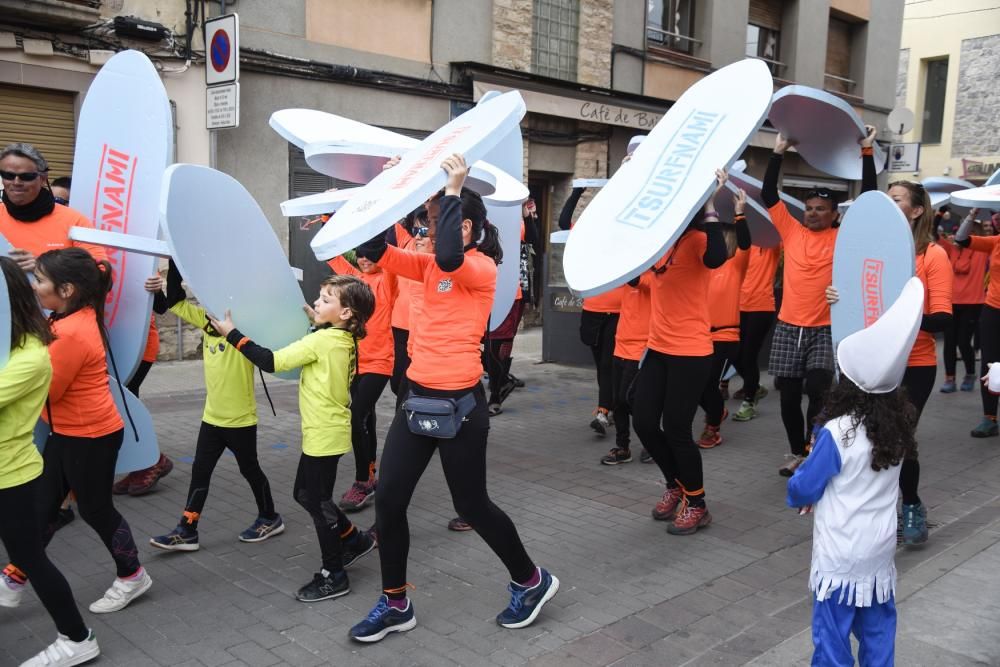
point(222, 50)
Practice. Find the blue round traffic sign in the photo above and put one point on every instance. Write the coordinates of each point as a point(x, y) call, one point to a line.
point(220, 50)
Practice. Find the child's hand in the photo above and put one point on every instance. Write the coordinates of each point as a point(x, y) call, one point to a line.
point(832, 295)
point(154, 283)
point(223, 326)
point(310, 313)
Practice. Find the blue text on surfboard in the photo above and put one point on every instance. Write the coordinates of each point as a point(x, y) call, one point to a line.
point(671, 170)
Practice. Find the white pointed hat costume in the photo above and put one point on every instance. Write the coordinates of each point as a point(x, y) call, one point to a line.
point(875, 358)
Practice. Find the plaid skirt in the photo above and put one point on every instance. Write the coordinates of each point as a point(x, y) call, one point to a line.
point(796, 350)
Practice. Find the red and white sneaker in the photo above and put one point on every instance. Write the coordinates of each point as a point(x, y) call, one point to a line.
point(666, 507)
point(689, 519)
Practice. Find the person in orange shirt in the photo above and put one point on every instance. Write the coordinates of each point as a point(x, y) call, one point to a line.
point(459, 281)
point(757, 316)
point(402, 235)
point(375, 364)
point(86, 430)
point(724, 317)
point(969, 294)
point(802, 346)
point(676, 368)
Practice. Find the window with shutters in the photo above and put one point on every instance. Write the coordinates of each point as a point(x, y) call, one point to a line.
point(43, 118)
point(934, 98)
point(555, 37)
point(838, 57)
point(764, 33)
point(670, 24)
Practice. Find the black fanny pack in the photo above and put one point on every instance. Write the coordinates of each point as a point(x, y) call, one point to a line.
point(436, 416)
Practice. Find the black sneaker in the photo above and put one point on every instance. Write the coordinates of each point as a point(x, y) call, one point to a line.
point(357, 545)
point(518, 382)
point(324, 587)
point(645, 456)
point(617, 456)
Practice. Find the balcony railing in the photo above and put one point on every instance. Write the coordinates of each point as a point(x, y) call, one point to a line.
point(667, 39)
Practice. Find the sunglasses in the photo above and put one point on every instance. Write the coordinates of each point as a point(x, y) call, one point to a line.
point(423, 232)
point(26, 177)
point(822, 194)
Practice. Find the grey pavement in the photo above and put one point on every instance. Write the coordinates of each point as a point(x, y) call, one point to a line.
point(733, 594)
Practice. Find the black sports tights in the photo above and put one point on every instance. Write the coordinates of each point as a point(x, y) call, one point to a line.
point(798, 430)
point(365, 392)
point(989, 339)
point(463, 459)
point(313, 490)
point(754, 329)
point(965, 319)
point(597, 331)
point(919, 382)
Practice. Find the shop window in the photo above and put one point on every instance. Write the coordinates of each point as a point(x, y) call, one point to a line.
point(670, 24)
point(934, 96)
point(555, 38)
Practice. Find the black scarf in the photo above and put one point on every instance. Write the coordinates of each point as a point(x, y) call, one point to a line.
point(43, 205)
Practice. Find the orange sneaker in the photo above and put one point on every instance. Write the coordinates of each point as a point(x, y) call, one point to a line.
point(667, 505)
point(710, 437)
point(689, 519)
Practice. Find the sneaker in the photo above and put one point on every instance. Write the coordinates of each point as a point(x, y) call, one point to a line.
point(968, 383)
point(506, 390)
point(985, 429)
point(792, 462)
point(518, 382)
point(10, 591)
point(526, 603)
point(710, 437)
point(689, 519)
point(740, 395)
point(324, 587)
point(120, 488)
point(121, 593)
point(645, 456)
point(747, 411)
point(493, 409)
point(357, 545)
point(382, 620)
point(64, 652)
point(359, 496)
point(666, 507)
point(179, 539)
point(617, 456)
point(761, 393)
point(262, 529)
point(914, 524)
point(600, 422)
point(459, 525)
point(949, 386)
point(144, 481)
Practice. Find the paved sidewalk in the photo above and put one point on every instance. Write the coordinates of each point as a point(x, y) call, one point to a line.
point(733, 594)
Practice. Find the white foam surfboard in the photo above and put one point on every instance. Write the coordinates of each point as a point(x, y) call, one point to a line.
point(872, 261)
point(318, 204)
point(987, 196)
point(826, 128)
point(994, 179)
point(589, 182)
point(945, 184)
point(396, 192)
point(752, 186)
point(650, 200)
point(559, 237)
point(762, 233)
point(5, 246)
point(124, 142)
point(229, 255)
point(634, 142)
point(137, 244)
point(5, 322)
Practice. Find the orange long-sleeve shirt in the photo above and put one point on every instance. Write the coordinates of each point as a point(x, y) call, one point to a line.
point(678, 320)
point(991, 246)
point(724, 297)
point(808, 270)
point(632, 333)
point(375, 350)
point(934, 271)
point(757, 293)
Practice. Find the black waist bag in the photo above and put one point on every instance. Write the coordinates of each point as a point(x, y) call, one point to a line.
point(435, 416)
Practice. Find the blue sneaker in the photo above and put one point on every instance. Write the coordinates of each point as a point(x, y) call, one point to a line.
point(948, 387)
point(968, 383)
point(262, 529)
point(525, 603)
point(382, 620)
point(179, 539)
point(914, 524)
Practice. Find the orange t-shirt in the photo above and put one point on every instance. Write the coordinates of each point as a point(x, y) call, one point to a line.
point(934, 271)
point(969, 268)
point(757, 294)
point(724, 297)
point(404, 286)
point(633, 325)
point(416, 309)
point(808, 270)
point(678, 315)
point(991, 245)
point(375, 350)
point(605, 302)
point(152, 341)
point(50, 232)
point(79, 396)
point(447, 334)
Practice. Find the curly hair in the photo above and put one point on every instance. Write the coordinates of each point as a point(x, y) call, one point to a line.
point(889, 420)
point(355, 294)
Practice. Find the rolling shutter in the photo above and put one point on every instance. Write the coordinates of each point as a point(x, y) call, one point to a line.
point(44, 118)
point(766, 14)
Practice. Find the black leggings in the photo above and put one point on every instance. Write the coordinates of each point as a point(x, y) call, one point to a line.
point(625, 371)
point(365, 392)
point(21, 534)
point(989, 339)
point(667, 390)
point(400, 362)
point(597, 331)
point(86, 466)
point(463, 460)
point(965, 319)
point(496, 361)
point(798, 430)
point(724, 354)
point(754, 329)
point(140, 375)
point(919, 382)
point(242, 442)
point(313, 490)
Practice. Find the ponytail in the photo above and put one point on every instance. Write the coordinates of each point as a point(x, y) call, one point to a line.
point(490, 243)
point(485, 235)
point(355, 294)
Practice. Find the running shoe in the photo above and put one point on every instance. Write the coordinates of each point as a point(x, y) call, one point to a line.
point(324, 586)
point(64, 652)
point(382, 620)
point(689, 519)
point(262, 529)
point(526, 603)
point(710, 437)
point(493, 409)
point(359, 496)
point(600, 423)
point(968, 383)
point(617, 456)
point(144, 481)
point(10, 591)
point(506, 390)
point(459, 525)
point(359, 544)
point(747, 411)
point(179, 539)
point(645, 456)
point(985, 429)
point(121, 593)
point(949, 386)
point(792, 462)
point(666, 507)
point(121, 487)
point(914, 524)
point(518, 382)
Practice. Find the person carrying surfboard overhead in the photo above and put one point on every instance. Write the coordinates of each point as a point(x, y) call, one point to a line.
point(802, 345)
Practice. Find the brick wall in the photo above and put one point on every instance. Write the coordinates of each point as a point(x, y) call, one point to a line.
point(976, 131)
point(594, 51)
point(512, 27)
